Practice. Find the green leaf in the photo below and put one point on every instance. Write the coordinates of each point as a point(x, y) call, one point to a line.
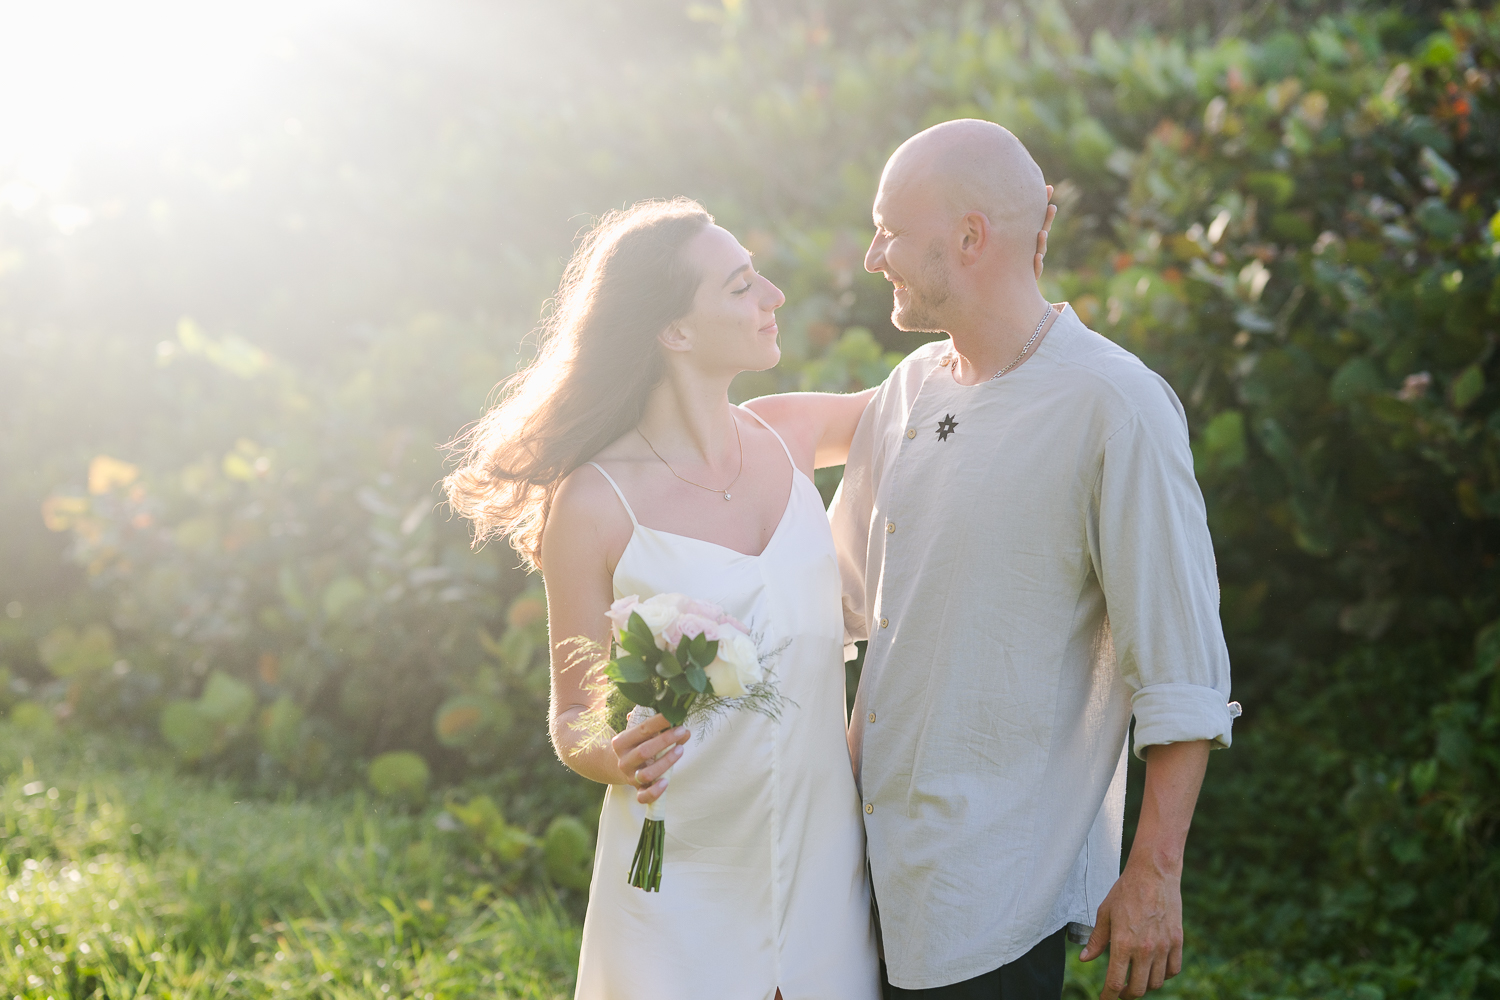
point(674, 710)
point(187, 729)
point(227, 702)
point(632, 669)
point(1439, 170)
point(1467, 387)
point(1223, 445)
point(638, 628)
point(400, 775)
point(697, 647)
point(568, 854)
point(635, 646)
point(639, 694)
point(679, 684)
point(696, 678)
point(669, 665)
point(1355, 379)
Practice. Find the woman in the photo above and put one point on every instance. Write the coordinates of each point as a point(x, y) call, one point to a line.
point(617, 465)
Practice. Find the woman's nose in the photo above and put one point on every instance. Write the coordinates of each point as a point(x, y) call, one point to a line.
point(774, 299)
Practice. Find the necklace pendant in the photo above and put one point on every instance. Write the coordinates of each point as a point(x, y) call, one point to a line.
point(726, 494)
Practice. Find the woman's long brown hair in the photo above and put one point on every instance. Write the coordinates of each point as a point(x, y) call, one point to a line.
point(597, 364)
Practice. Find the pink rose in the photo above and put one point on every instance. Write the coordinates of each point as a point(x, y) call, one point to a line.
point(689, 625)
point(619, 613)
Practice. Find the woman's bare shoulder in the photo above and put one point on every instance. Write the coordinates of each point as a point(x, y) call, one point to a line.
point(587, 514)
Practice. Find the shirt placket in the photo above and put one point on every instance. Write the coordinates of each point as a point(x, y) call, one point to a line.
point(884, 632)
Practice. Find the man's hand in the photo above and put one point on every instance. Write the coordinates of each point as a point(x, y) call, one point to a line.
point(1141, 922)
point(1041, 237)
point(1141, 918)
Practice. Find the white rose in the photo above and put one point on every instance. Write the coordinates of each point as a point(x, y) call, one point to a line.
point(658, 612)
point(737, 667)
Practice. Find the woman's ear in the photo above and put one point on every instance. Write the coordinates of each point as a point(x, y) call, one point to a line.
point(676, 338)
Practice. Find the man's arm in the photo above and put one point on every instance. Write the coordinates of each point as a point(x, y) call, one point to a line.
point(1141, 918)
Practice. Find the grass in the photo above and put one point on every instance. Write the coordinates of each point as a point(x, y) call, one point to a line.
point(122, 879)
point(119, 879)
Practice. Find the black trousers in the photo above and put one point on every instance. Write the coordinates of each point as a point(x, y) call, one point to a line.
point(1036, 975)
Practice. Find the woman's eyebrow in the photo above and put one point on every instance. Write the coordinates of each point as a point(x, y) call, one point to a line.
point(735, 274)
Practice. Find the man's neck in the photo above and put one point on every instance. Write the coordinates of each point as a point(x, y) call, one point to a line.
point(993, 333)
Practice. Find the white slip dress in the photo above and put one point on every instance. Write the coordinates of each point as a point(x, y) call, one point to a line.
point(764, 885)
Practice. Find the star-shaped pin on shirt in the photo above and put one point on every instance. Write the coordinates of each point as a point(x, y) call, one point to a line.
point(946, 426)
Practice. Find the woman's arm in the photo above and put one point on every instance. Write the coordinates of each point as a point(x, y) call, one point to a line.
point(817, 426)
point(584, 526)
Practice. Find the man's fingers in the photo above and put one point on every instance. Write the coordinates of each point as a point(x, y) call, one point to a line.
point(1099, 938)
point(1117, 977)
point(1158, 972)
point(1140, 973)
point(1174, 958)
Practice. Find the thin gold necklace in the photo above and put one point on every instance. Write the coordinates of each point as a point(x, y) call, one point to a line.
point(710, 489)
point(1019, 357)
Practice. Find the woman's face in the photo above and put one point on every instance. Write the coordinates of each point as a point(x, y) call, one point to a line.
point(732, 324)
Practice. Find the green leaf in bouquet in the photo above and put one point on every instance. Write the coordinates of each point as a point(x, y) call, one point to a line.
point(696, 646)
point(675, 710)
point(710, 653)
point(696, 678)
point(639, 694)
point(669, 666)
point(632, 669)
point(638, 628)
point(680, 684)
point(634, 645)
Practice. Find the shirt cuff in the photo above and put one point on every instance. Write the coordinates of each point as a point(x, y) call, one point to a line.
point(1181, 713)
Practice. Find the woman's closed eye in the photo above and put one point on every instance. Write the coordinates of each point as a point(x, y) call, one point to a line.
point(742, 291)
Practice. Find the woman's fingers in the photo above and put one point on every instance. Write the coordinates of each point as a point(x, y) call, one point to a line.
point(648, 774)
point(640, 732)
point(645, 751)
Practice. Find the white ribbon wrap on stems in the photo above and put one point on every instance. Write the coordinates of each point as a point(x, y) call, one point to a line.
point(654, 810)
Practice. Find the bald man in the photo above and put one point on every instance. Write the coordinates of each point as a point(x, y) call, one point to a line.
point(1025, 548)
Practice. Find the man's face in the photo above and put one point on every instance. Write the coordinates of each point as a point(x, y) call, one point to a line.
point(910, 248)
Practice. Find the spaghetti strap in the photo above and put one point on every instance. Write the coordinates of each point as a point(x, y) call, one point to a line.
point(768, 427)
point(618, 492)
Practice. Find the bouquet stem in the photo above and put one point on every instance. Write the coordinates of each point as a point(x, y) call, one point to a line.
point(645, 869)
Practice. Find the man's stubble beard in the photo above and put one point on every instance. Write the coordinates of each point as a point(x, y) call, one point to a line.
point(924, 307)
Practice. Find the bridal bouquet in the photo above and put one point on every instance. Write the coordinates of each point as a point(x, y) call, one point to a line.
point(679, 657)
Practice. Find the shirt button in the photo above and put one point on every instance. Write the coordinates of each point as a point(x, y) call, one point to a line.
point(911, 432)
point(872, 716)
point(869, 808)
point(890, 527)
point(885, 622)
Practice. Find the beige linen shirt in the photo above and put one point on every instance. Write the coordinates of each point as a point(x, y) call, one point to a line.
point(1030, 561)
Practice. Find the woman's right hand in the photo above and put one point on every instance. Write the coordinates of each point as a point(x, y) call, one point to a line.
point(645, 751)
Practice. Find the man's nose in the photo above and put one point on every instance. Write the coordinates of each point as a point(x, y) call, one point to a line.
point(875, 256)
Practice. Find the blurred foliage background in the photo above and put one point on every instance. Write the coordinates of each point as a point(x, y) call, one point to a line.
point(230, 353)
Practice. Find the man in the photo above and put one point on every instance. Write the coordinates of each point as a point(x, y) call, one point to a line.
point(1025, 548)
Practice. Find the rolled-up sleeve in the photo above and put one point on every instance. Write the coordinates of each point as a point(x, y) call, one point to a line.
point(1155, 562)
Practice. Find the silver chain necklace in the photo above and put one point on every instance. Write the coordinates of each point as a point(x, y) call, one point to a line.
point(1019, 357)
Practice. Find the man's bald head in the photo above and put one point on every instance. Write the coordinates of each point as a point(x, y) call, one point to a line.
point(976, 166)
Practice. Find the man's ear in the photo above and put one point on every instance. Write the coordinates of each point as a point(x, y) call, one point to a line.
point(676, 338)
point(974, 235)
